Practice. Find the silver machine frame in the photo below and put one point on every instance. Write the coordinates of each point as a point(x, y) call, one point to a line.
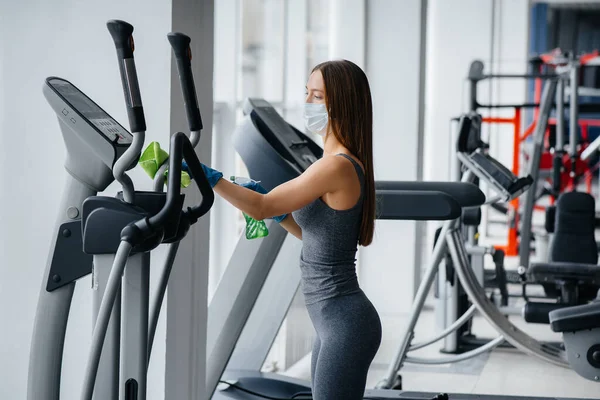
point(567, 70)
point(469, 274)
point(452, 240)
point(125, 318)
point(447, 304)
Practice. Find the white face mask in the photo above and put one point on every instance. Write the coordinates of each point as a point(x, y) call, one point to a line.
point(316, 118)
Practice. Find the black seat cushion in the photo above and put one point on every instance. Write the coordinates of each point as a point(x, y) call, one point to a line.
point(576, 318)
point(574, 243)
point(579, 273)
point(413, 205)
point(574, 225)
point(465, 194)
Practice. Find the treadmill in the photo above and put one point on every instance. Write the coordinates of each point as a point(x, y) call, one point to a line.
point(243, 326)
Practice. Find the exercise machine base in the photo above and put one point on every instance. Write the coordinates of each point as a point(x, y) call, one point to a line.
point(270, 385)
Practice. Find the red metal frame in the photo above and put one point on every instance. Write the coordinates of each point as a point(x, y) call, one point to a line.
point(512, 244)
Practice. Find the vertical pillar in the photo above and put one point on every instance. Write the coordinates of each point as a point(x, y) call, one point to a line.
point(347, 30)
point(395, 68)
point(226, 83)
point(188, 289)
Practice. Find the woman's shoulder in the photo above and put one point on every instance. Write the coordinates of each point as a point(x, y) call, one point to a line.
point(333, 168)
point(332, 164)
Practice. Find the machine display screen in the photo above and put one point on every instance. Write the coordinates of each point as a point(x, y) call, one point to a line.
point(283, 135)
point(92, 112)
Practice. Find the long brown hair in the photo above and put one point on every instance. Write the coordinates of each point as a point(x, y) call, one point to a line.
point(348, 101)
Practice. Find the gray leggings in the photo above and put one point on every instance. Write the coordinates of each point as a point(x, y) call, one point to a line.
point(348, 337)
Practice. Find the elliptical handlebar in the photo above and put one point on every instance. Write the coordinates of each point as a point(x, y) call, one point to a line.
point(197, 174)
point(180, 44)
point(180, 149)
point(121, 33)
point(183, 56)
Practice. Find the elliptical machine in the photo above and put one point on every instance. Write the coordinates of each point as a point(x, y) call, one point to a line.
point(101, 235)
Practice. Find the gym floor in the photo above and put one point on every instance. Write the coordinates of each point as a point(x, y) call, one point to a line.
point(503, 371)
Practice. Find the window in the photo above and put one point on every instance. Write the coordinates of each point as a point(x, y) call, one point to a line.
point(265, 49)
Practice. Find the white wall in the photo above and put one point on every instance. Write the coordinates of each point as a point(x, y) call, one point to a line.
point(510, 57)
point(459, 32)
point(347, 30)
point(67, 38)
point(387, 267)
point(227, 54)
point(3, 193)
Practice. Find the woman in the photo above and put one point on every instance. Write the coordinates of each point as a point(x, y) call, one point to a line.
point(331, 208)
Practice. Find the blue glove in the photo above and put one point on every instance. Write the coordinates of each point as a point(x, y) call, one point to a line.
point(253, 185)
point(212, 175)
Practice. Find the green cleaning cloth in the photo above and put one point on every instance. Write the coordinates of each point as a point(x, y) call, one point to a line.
point(153, 157)
point(255, 229)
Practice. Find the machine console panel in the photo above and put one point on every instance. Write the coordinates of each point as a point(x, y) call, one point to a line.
point(84, 108)
point(293, 147)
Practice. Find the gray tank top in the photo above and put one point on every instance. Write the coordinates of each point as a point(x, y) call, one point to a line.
point(329, 246)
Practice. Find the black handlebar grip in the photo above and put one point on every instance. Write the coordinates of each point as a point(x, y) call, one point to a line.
point(197, 174)
point(121, 33)
point(183, 56)
point(181, 148)
point(171, 207)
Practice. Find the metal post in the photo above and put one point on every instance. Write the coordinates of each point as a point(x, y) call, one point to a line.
point(560, 113)
point(438, 253)
point(134, 341)
point(573, 118)
point(447, 303)
point(107, 378)
point(534, 171)
point(159, 295)
point(104, 315)
point(448, 308)
point(557, 163)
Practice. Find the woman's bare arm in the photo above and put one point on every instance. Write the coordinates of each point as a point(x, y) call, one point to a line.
point(324, 176)
point(290, 225)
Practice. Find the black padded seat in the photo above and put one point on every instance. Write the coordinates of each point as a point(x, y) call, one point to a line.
point(466, 194)
point(425, 201)
point(576, 318)
point(572, 273)
point(580, 274)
